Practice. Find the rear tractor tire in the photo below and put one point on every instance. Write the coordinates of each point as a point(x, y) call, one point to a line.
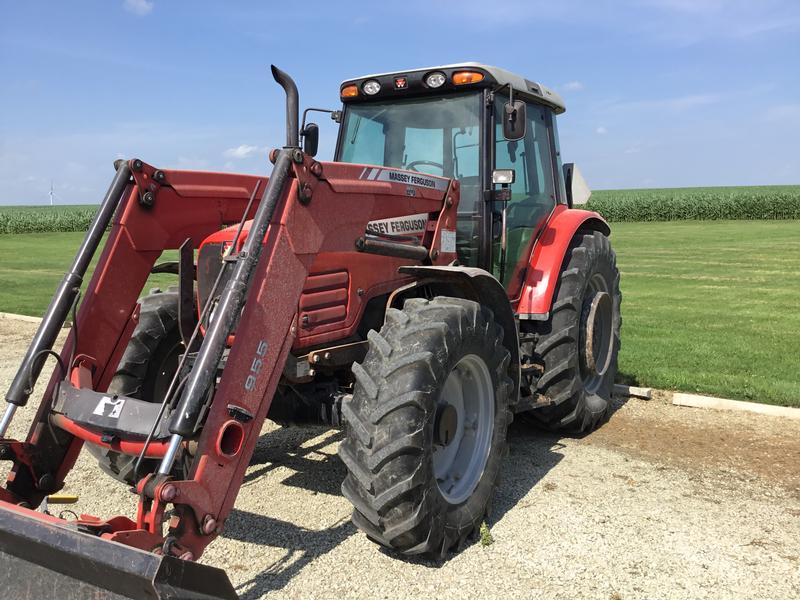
point(144, 372)
point(577, 346)
point(426, 425)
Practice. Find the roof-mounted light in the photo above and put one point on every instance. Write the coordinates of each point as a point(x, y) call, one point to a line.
point(465, 77)
point(371, 87)
point(349, 91)
point(435, 79)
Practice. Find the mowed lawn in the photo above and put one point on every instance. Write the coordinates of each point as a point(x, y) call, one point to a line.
point(712, 307)
point(32, 266)
point(708, 306)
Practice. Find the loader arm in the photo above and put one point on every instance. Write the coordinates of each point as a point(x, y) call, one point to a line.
point(317, 208)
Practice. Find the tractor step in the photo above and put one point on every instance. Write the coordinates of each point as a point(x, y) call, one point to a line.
point(41, 558)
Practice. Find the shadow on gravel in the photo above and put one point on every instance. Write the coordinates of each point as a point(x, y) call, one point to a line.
point(532, 454)
point(314, 470)
point(282, 448)
point(302, 546)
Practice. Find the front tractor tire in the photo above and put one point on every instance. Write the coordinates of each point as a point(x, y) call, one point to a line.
point(577, 346)
point(426, 425)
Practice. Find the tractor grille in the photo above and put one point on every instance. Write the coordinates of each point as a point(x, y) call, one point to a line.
point(324, 299)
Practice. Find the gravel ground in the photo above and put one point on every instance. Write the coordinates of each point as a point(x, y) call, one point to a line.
point(661, 502)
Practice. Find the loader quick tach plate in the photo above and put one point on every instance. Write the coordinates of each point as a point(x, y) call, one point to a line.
point(108, 412)
point(42, 559)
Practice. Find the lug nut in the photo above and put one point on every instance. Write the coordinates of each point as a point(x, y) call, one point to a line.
point(169, 492)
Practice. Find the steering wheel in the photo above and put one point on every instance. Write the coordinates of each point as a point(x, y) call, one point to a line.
point(410, 166)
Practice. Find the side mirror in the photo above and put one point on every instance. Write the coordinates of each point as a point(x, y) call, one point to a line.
point(514, 120)
point(578, 191)
point(310, 135)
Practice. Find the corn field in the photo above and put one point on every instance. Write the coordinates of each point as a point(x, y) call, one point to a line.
point(701, 204)
point(669, 204)
point(42, 219)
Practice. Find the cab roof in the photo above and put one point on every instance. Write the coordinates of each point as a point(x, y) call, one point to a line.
point(415, 84)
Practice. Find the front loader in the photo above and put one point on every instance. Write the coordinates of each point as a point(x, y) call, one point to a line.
point(421, 289)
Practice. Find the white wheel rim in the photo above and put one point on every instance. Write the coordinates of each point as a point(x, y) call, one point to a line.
point(458, 466)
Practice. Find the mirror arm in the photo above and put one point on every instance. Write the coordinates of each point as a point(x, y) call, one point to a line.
point(333, 114)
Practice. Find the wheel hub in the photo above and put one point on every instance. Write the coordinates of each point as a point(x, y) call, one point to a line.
point(446, 425)
point(596, 332)
point(463, 428)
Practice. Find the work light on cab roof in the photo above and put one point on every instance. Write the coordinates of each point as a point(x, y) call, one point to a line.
point(443, 79)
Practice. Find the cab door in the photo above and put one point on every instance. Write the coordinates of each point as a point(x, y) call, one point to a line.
point(518, 221)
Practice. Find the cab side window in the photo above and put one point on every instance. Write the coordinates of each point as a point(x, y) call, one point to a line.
point(533, 193)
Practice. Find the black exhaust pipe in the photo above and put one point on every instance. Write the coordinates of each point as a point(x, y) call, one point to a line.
point(292, 107)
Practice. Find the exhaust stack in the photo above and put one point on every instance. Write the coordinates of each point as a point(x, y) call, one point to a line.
point(292, 106)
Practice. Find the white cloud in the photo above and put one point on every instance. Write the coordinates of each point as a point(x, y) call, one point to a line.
point(601, 130)
point(633, 150)
point(243, 151)
point(573, 86)
point(138, 7)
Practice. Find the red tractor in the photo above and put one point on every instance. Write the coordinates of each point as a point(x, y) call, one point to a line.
point(421, 289)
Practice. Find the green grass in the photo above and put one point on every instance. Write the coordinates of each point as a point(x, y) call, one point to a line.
point(712, 307)
point(709, 307)
point(33, 264)
point(676, 204)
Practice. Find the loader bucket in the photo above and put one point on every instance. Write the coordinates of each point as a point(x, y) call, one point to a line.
point(43, 559)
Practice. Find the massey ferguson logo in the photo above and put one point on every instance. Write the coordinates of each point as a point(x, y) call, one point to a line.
point(400, 83)
point(109, 407)
point(407, 225)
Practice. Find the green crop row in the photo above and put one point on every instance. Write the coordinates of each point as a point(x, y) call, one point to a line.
point(671, 204)
point(42, 219)
point(702, 204)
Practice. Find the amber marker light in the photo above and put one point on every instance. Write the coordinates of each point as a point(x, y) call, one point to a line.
point(464, 77)
point(349, 91)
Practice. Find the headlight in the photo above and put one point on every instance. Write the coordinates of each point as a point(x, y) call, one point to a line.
point(435, 79)
point(371, 87)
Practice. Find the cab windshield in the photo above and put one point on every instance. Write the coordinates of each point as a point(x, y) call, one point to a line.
point(438, 136)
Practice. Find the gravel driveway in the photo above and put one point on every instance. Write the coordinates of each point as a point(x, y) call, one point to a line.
point(661, 502)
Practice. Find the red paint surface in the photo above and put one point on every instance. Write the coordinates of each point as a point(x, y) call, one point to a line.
point(541, 276)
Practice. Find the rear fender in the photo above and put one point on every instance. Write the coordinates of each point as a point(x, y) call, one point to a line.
point(548, 255)
point(472, 284)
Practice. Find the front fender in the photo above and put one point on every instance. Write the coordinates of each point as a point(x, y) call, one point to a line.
point(481, 286)
point(548, 255)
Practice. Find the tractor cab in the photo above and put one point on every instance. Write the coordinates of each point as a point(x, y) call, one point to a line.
point(493, 131)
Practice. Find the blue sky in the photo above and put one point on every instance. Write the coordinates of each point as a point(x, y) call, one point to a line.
point(658, 92)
